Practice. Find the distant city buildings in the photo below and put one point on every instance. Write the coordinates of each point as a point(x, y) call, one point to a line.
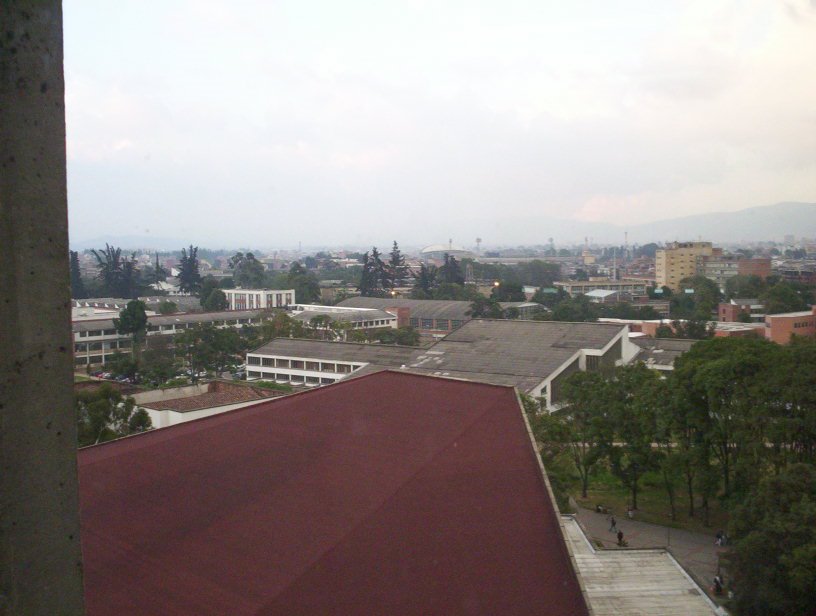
point(681, 260)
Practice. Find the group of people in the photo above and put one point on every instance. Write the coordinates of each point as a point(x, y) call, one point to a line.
point(721, 538)
point(613, 527)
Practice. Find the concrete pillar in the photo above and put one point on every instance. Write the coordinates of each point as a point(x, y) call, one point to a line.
point(40, 558)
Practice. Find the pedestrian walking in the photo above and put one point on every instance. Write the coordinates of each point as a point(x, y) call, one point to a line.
point(613, 524)
point(620, 537)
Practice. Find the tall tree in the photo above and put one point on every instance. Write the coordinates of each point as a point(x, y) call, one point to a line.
point(305, 284)
point(248, 272)
point(189, 276)
point(450, 272)
point(77, 286)
point(396, 267)
point(424, 282)
point(133, 321)
point(588, 401)
point(109, 265)
point(773, 558)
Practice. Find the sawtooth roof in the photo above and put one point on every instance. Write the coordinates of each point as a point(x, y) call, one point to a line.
point(391, 494)
point(352, 316)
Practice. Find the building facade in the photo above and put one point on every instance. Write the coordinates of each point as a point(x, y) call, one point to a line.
point(780, 328)
point(259, 299)
point(678, 261)
point(630, 288)
point(95, 340)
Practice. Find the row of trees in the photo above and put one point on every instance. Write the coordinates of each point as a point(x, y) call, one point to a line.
point(735, 421)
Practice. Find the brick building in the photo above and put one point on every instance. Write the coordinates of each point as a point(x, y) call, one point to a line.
point(781, 327)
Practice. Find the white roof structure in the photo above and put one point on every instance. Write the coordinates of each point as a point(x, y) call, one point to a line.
point(634, 581)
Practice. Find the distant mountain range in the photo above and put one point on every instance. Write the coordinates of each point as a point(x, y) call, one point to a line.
point(768, 223)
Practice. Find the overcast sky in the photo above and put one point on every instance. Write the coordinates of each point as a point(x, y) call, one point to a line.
point(339, 122)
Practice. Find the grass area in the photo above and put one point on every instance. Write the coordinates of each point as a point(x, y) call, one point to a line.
point(653, 503)
point(79, 378)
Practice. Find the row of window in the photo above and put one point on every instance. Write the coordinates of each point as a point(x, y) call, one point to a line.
point(84, 347)
point(297, 364)
point(169, 328)
point(802, 324)
point(437, 324)
point(296, 379)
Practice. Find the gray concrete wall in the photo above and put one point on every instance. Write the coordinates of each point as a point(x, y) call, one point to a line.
point(40, 558)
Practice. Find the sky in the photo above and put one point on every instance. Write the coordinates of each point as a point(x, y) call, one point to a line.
point(263, 123)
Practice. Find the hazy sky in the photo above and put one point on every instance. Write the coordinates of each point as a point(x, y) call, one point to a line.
point(267, 123)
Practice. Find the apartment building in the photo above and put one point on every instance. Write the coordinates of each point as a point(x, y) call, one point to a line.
point(679, 260)
point(721, 268)
point(259, 299)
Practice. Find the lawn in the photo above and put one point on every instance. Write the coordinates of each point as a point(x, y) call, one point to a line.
point(653, 503)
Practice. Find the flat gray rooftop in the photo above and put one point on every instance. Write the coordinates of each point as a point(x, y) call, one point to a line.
point(420, 308)
point(381, 354)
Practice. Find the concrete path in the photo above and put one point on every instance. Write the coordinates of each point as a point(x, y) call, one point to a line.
point(696, 552)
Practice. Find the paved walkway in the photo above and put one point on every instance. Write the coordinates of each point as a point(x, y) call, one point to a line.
point(696, 552)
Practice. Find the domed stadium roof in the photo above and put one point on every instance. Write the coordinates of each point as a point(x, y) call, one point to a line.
point(442, 248)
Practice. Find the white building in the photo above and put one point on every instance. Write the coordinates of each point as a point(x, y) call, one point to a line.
point(357, 318)
point(259, 299)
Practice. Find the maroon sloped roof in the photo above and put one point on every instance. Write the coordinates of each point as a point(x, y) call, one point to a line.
point(389, 494)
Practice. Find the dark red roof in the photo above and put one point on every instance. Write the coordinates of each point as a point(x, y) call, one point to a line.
point(389, 494)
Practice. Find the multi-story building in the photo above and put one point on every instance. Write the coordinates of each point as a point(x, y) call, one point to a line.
point(95, 340)
point(731, 311)
point(630, 288)
point(721, 268)
point(679, 260)
point(259, 299)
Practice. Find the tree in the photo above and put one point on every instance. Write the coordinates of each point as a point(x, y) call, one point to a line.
point(508, 292)
point(248, 272)
point(109, 266)
point(305, 284)
point(133, 321)
point(396, 267)
point(103, 415)
point(773, 558)
point(744, 286)
point(784, 297)
point(637, 392)
point(167, 307)
point(424, 282)
point(450, 272)
point(588, 398)
point(77, 286)
point(216, 301)
point(189, 276)
point(485, 308)
point(374, 278)
point(405, 336)
point(157, 363)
